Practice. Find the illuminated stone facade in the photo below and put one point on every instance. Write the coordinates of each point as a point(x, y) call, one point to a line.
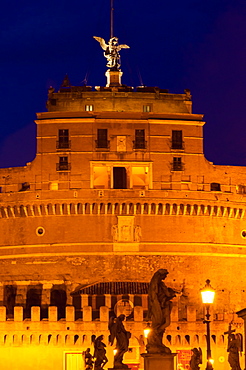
point(119, 188)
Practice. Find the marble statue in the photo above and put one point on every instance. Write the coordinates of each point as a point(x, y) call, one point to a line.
point(100, 353)
point(119, 333)
point(88, 359)
point(233, 349)
point(159, 313)
point(196, 359)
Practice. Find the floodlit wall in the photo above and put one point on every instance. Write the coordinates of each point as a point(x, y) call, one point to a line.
point(53, 344)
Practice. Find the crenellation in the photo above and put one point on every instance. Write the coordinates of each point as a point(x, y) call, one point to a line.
point(191, 313)
point(87, 313)
point(174, 314)
point(104, 314)
point(138, 314)
point(18, 313)
point(52, 313)
point(3, 314)
point(58, 334)
point(35, 314)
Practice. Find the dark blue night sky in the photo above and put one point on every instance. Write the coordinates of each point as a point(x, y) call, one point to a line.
point(194, 44)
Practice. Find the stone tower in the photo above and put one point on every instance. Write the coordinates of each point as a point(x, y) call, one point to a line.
point(119, 188)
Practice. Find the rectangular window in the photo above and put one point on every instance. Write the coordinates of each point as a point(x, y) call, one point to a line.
point(241, 189)
point(89, 108)
point(63, 139)
point(177, 139)
point(63, 164)
point(146, 108)
point(102, 138)
point(139, 142)
point(25, 186)
point(215, 186)
point(177, 164)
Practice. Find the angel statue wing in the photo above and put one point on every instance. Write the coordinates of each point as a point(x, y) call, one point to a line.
point(123, 46)
point(112, 329)
point(101, 41)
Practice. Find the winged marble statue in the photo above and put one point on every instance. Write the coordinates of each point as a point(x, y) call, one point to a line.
point(196, 358)
point(111, 51)
point(119, 333)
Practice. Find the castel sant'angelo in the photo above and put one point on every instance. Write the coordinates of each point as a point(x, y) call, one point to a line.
point(119, 188)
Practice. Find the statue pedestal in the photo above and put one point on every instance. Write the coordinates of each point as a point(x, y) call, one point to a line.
point(158, 361)
point(113, 78)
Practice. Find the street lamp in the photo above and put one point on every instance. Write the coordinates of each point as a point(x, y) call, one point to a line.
point(208, 294)
point(147, 330)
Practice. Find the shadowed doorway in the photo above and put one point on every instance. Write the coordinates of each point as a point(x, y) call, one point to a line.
point(119, 176)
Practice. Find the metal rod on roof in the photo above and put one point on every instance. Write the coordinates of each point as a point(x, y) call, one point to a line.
point(112, 19)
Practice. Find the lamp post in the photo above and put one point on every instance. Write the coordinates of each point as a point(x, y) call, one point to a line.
point(208, 294)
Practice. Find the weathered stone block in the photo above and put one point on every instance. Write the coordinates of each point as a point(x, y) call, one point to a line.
point(35, 313)
point(87, 313)
point(18, 313)
point(138, 313)
point(2, 313)
point(70, 313)
point(52, 313)
point(191, 313)
point(104, 313)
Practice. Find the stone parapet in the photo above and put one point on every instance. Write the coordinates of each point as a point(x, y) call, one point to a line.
point(126, 207)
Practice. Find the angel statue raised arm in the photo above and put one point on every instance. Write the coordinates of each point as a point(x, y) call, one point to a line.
point(111, 51)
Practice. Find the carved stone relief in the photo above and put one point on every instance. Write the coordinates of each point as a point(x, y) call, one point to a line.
point(125, 231)
point(121, 143)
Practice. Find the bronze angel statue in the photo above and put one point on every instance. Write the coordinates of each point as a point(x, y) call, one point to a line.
point(111, 51)
point(118, 332)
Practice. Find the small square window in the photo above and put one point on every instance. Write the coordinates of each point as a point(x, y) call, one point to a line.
point(177, 164)
point(89, 108)
point(241, 189)
point(147, 108)
point(25, 186)
point(63, 164)
point(215, 186)
point(54, 186)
